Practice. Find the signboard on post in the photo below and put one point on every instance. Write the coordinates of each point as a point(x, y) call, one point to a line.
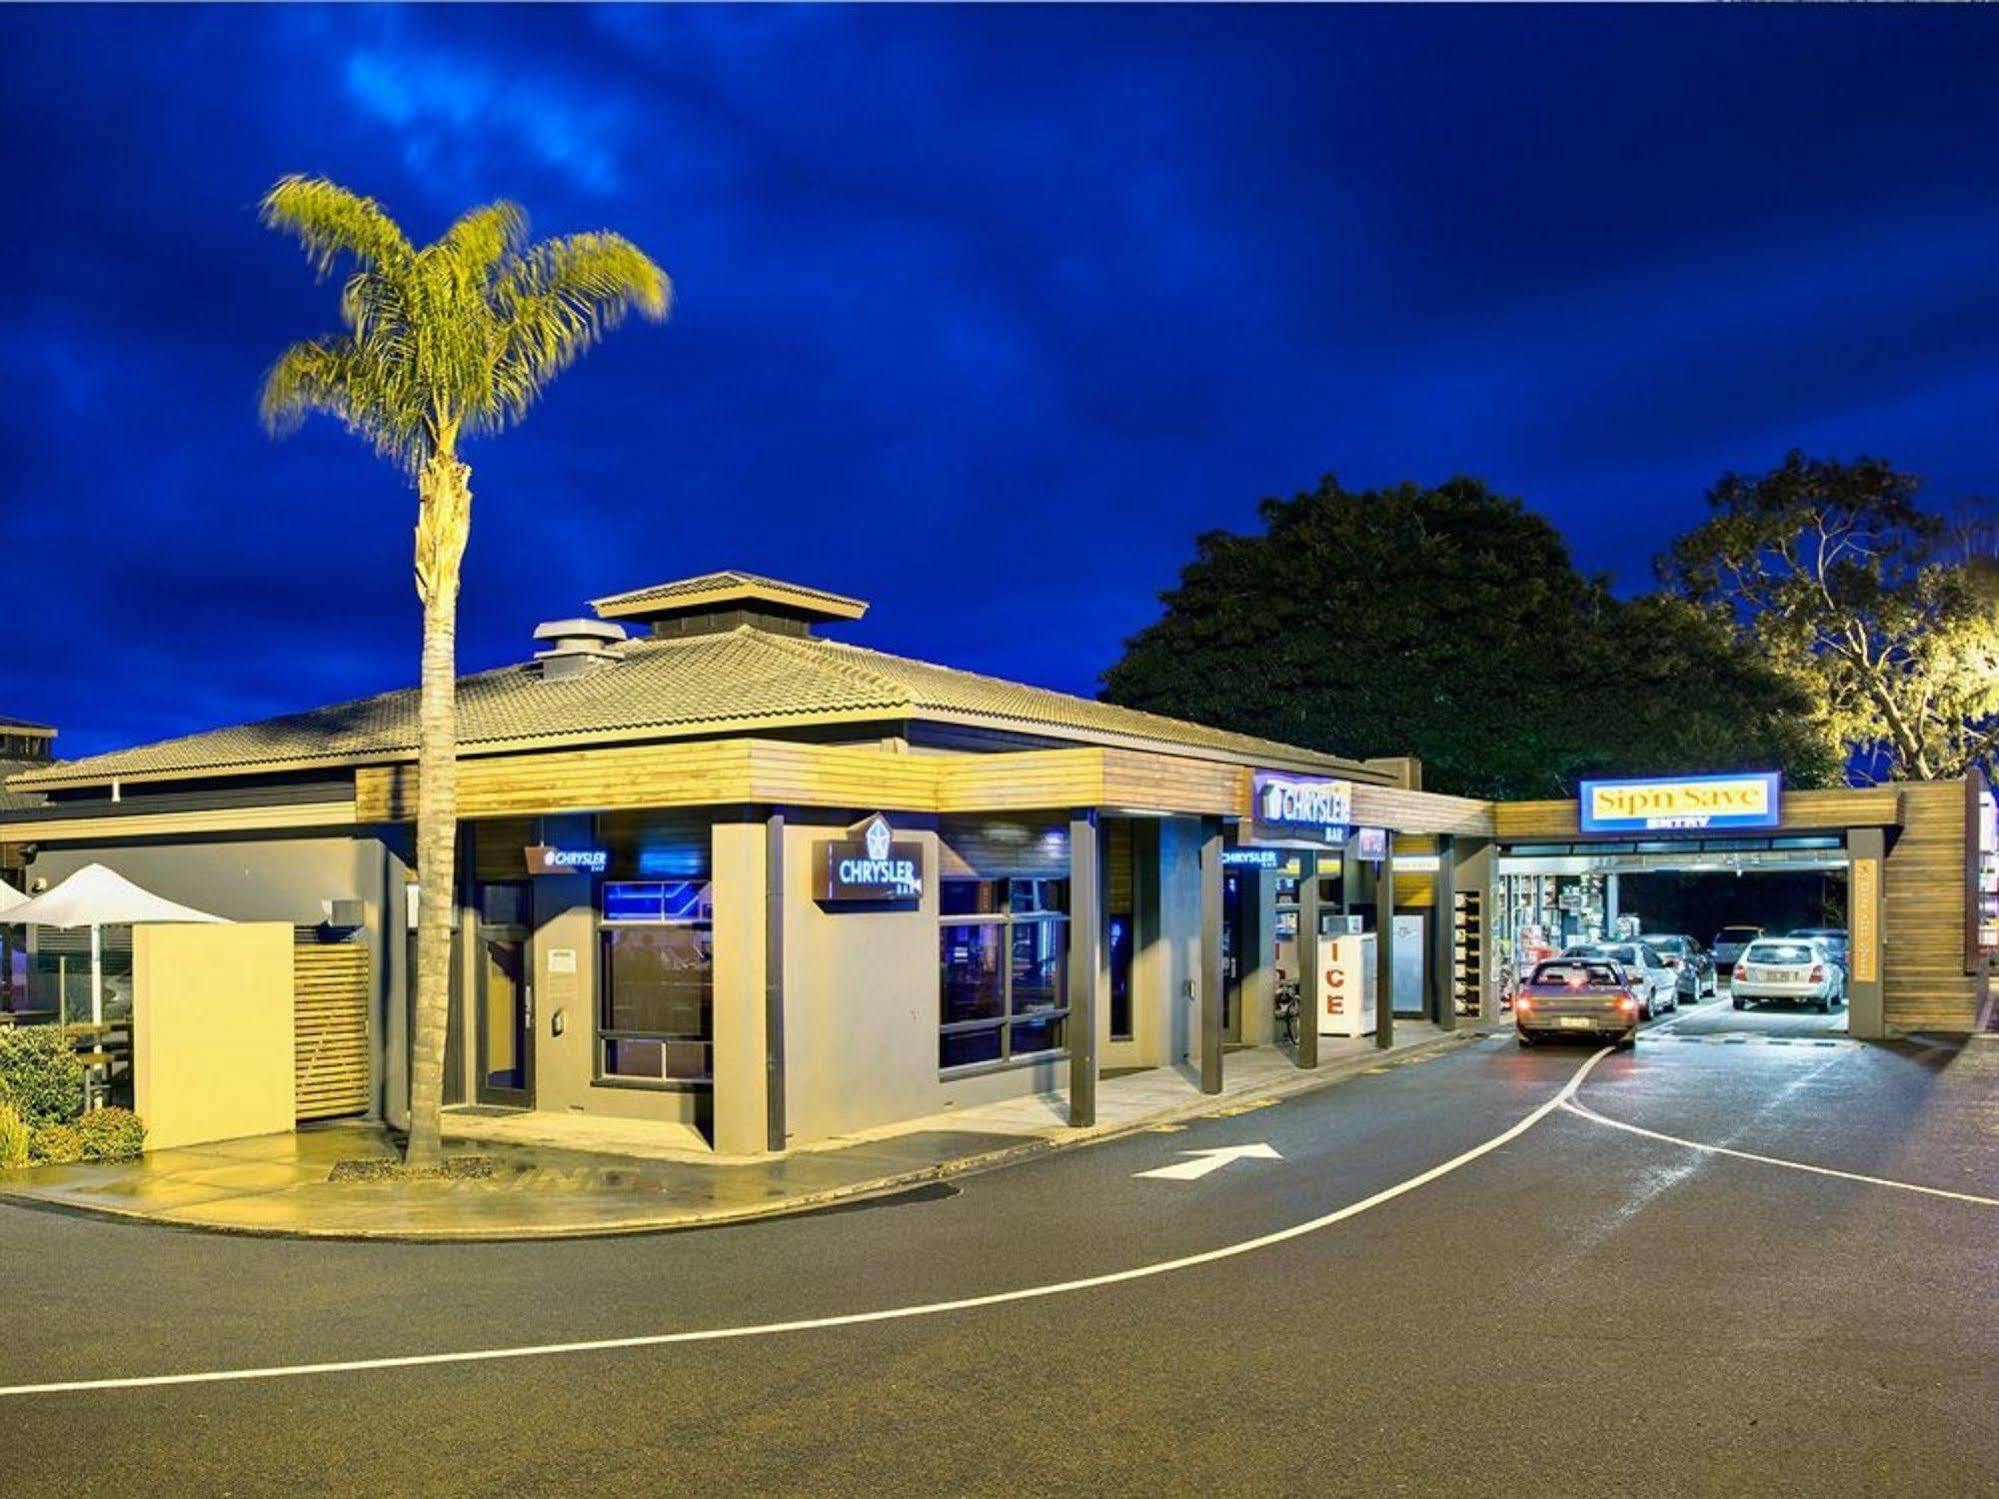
point(869, 867)
point(1682, 804)
point(1288, 811)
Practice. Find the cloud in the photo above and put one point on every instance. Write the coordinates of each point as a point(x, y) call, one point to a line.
point(464, 118)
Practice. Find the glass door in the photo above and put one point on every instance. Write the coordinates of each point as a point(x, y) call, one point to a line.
point(505, 1020)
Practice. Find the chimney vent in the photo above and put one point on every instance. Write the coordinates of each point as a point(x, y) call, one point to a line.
point(576, 646)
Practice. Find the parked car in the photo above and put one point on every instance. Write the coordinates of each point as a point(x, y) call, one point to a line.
point(1796, 970)
point(1659, 986)
point(1729, 942)
point(1834, 937)
point(1572, 996)
point(1691, 963)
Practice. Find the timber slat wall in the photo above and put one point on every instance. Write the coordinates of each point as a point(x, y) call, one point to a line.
point(330, 1028)
point(1924, 983)
point(1803, 811)
point(1423, 811)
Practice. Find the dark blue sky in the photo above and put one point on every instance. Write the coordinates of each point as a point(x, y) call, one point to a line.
point(983, 313)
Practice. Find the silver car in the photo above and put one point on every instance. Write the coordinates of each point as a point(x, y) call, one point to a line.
point(1795, 970)
point(1729, 942)
point(1659, 985)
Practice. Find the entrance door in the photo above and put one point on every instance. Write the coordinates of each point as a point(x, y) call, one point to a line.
point(505, 1020)
point(1234, 948)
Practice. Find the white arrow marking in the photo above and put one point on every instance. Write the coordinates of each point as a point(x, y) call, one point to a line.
point(1205, 1161)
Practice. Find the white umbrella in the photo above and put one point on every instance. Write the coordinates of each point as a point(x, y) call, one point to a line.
point(10, 897)
point(97, 897)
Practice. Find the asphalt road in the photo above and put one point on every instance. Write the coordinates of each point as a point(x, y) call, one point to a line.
point(1579, 1311)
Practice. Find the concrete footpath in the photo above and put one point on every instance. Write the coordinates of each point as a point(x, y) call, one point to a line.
point(556, 1180)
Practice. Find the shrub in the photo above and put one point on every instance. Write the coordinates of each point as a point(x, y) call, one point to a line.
point(14, 1134)
point(55, 1145)
point(40, 1075)
point(111, 1135)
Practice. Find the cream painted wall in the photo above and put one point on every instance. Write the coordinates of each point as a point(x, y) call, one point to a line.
point(212, 1031)
point(740, 1119)
point(861, 1010)
point(565, 1065)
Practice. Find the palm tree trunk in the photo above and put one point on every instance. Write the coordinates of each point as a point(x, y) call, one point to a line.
point(443, 524)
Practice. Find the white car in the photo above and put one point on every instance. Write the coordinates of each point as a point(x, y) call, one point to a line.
point(1796, 970)
point(1659, 984)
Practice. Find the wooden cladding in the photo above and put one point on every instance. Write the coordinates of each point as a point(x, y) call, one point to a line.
point(330, 990)
point(1802, 812)
point(781, 773)
point(1925, 984)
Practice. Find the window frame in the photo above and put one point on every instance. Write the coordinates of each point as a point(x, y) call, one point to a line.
point(1009, 921)
point(607, 931)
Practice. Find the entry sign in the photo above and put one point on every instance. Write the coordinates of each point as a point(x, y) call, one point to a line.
point(871, 867)
point(1682, 804)
point(1298, 809)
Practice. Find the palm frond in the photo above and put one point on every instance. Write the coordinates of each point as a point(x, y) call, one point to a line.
point(557, 300)
point(483, 237)
point(330, 221)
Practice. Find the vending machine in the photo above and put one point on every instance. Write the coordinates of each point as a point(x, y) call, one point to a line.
point(1344, 987)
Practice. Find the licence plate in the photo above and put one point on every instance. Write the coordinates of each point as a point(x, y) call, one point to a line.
point(1577, 1022)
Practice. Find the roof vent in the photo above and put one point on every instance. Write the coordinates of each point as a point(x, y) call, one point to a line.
point(576, 646)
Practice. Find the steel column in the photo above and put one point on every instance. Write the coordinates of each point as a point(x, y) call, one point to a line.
point(1211, 955)
point(1443, 936)
point(1308, 960)
point(1384, 945)
point(1086, 925)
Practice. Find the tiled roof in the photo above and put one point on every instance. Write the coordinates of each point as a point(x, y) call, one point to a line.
point(22, 726)
point(16, 801)
point(672, 686)
point(724, 586)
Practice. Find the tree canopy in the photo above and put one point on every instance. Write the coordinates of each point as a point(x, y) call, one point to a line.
point(1887, 614)
point(1451, 623)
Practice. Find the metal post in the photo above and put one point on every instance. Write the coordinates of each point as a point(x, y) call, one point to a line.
point(1211, 955)
point(1308, 960)
point(96, 974)
point(1384, 945)
point(1086, 927)
point(774, 1117)
point(1444, 936)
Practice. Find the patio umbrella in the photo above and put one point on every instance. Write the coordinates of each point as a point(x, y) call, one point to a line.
point(97, 897)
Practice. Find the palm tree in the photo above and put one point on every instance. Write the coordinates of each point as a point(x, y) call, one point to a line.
point(441, 344)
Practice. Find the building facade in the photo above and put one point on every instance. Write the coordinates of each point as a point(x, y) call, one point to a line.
point(759, 888)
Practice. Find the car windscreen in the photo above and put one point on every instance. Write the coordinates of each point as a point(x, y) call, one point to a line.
point(1669, 944)
point(1576, 975)
point(1780, 952)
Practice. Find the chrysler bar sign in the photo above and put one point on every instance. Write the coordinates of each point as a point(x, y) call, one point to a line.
point(1682, 804)
point(542, 859)
point(1298, 809)
point(870, 867)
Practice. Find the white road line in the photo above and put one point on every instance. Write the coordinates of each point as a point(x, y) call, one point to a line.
point(1769, 1160)
point(847, 1319)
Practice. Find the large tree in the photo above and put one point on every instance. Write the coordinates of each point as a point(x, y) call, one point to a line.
point(1451, 623)
point(440, 344)
point(1837, 575)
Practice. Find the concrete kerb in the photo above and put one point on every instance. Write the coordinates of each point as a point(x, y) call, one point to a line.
point(1201, 1107)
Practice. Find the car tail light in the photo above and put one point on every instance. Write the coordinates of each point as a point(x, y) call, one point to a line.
point(1818, 974)
point(1627, 1004)
point(1523, 1002)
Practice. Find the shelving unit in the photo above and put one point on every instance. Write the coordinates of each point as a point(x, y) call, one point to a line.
point(1468, 950)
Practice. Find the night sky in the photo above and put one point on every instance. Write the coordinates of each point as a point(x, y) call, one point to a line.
point(983, 313)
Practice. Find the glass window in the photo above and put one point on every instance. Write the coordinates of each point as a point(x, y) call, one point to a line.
point(1004, 969)
point(974, 983)
point(1120, 945)
point(656, 1020)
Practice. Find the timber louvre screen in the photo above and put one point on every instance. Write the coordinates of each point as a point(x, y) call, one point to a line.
point(330, 1029)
